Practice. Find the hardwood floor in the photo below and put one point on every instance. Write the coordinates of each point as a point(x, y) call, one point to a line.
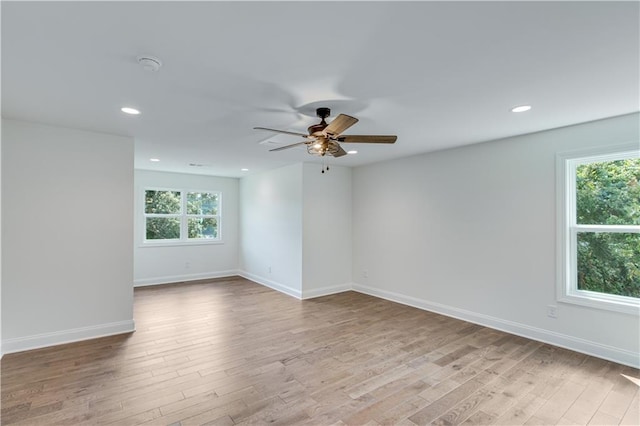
point(233, 352)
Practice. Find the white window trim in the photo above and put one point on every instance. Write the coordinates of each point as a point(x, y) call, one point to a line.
point(183, 216)
point(567, 229)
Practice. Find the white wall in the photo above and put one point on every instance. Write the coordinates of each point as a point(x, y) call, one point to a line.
point(326, 263)
point(67, 235)
point(271, 228)
point(296, 229)
point(165, 264)
point(1, 351)
point(470, 232)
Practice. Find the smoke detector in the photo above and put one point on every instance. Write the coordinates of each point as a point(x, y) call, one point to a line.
point(149, 63)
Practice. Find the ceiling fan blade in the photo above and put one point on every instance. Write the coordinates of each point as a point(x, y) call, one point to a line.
point(304, 135)
point(340, 152)
point(289, 146)
point(339, 125)
point(367, 138)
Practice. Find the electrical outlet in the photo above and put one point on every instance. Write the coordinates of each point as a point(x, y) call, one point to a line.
point(552, 311)
point(187, 265)
point(365, 274)
point(269, 269)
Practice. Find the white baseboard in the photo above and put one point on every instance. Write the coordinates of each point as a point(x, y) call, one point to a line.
point(325, 291)
point(271, 284)
point(141, 282)
point(38, 341)
point(610, 353)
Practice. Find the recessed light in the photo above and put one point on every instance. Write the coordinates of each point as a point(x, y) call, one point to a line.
point(353, 151)
point(149, 63)
point(154, 160)
point(521, 108)
point(128, 110)
point(244, 170)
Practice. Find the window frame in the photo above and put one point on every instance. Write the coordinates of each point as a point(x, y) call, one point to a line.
point(568, 229)
point(183, 216)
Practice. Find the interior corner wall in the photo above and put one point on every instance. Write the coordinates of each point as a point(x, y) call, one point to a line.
point(326, 230)
point(67, 235)
point(167, 264)
point(471, 233)
point(271, 228)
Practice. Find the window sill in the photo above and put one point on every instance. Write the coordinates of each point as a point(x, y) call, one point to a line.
point(596, 301)
point(148, 244)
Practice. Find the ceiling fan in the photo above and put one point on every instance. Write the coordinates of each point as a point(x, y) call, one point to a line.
point(324, 139)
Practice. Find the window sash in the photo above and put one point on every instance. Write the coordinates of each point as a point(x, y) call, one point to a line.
point(197, 217)
point(573, 282)
point(162, 190)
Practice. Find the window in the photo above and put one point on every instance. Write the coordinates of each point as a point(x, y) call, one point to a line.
point(173, 216)
point(599, 229)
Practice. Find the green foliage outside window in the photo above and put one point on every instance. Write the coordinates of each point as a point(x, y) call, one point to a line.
point(202, 203)
point(608, 193)
point(203, 227)
point(162, 202)
point(162, 228)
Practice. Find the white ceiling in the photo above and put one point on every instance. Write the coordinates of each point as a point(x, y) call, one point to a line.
point(437, 74)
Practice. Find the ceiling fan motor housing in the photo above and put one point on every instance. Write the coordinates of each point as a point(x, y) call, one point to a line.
point(323, 112)
point(316, 129)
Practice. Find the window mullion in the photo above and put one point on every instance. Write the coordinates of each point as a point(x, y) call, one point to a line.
point(572, 285)
point(184, 232)
point(608, 228)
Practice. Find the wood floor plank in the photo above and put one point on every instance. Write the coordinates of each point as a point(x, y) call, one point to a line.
point(382, 406)
point(616, 404)
point(479, 418)
point(632, 416)
point(229, 351)
point(601, 418)
point(522, 411)
point(558, 404)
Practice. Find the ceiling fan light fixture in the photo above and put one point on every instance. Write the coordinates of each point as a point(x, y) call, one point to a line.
point(521, 108)
point(353, 151)
point(154, 160)
point(315, 149)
